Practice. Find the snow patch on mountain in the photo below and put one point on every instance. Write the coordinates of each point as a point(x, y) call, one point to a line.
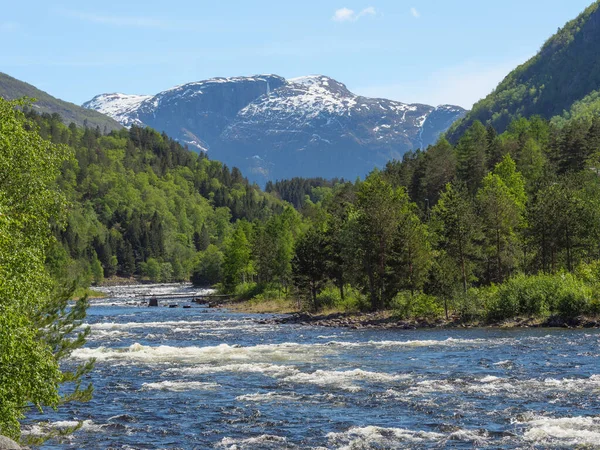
point(297, 127)
point(121, 107)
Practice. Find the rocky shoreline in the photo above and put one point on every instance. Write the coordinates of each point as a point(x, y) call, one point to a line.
point(385, 320)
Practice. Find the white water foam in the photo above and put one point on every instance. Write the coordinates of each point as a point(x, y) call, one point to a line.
point(344, 380)
point(171, 324)
point(493, 385)
point(44, 428)
point(572, 431)
point(399, 438)
point(269, 397)
point(274, 370)
point(287, 397)
point(179, 386)
point(137, 353)
point(262, 441)
point(377, 437)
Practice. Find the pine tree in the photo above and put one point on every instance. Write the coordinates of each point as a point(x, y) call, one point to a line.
point(309, 265)
point(375, 220)
point(457, 229)
point(501, 202)
point(471, 156)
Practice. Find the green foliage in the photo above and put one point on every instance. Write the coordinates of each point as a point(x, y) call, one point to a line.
point(352, 302)
point(137, 195)
point(417, 306)
point(309, 265)
point(237, 265)
point(540, 295)
point(297, 190)
point(374, 221)
point(565, 71)
point(471, 156)
point(457, 229)
point(208, 269)
point(35, 324)
point(151, 269)
point(501, 202)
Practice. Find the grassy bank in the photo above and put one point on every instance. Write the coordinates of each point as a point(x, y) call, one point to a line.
point(522, 301)
point(91, 293)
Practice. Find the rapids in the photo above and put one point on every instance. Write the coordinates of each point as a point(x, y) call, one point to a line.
point(175, 378)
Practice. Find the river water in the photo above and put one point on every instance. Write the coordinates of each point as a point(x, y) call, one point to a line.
point(175, 378)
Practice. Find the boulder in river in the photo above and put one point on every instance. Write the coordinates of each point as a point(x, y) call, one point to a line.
point(153, 302)
point(8, 444)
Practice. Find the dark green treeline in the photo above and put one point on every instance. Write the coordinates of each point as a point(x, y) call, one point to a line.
point(464, 229)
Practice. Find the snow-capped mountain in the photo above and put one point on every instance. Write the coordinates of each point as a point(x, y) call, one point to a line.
point(274, 128)
point(120, 107)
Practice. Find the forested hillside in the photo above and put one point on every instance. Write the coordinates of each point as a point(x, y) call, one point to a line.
point(298, 191)
point(437, 230)
point(495, 227)
point(141, 204)
point(565, 71)
point(12, 89)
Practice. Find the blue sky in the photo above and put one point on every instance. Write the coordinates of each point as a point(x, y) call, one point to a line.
point(427, 51)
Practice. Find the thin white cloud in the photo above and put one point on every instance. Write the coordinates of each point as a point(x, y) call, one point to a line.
point(349, 15)
point(119, 21)
point(416, 14)
point(8, 27)
point(343, 15)
point(463, 85)
point(130, 21)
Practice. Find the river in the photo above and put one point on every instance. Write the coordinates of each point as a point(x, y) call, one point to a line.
point(174, 378)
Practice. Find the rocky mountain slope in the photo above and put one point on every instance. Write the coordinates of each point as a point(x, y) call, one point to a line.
point(565, 71)
point(275, 128)
point(11, 89)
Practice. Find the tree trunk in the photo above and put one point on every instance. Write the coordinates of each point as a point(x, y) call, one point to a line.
point(446, 307)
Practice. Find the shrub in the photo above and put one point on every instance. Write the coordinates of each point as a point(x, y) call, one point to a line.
point(353, 300)
point(473, 304)
point(420, 305)
point(540, 295)
point(247, 291)
point(573, 298)
point(269, 292)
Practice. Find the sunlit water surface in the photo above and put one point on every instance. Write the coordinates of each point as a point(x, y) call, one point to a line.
point(201, 378)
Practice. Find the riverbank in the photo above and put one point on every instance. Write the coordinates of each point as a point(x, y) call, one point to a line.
point(389, 319)
point(91, 293)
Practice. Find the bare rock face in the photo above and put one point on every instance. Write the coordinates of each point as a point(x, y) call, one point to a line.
point(274, 128)
point(8, 444)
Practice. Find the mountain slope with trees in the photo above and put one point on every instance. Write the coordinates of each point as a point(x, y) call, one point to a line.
point(142, 205)
point(565, 71)
point(12, 89)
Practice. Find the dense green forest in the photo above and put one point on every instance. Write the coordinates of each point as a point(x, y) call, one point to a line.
point(564, 72)
point(142, 205)
point(298, 190)
point(445, 230)
point(495, 227)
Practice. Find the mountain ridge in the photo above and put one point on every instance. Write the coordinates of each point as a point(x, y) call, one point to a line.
point(272, 127)
point(12, 89)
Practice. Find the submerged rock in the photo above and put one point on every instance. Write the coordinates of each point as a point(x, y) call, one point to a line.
point(8, 444)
